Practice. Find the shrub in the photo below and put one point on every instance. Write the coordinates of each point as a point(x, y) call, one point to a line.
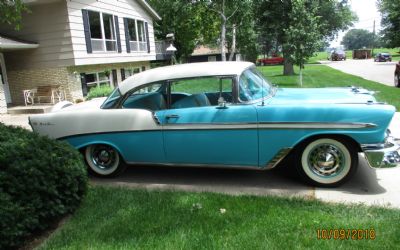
point(99, 91)
point(41, 180)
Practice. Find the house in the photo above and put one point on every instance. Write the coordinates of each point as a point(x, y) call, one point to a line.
point(77, 44)
point(209, 54)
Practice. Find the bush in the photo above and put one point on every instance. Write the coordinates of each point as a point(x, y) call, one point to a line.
point(99, 91)
point(41, 180)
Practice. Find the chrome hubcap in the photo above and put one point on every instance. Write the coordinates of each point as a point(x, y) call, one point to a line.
point(326, 160)
point(104, 157)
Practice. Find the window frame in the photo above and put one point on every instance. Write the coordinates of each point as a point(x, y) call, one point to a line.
point(141, 46)
point(102, 31)
point(98, 82)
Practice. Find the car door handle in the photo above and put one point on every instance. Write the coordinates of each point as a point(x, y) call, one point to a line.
point(172, 116)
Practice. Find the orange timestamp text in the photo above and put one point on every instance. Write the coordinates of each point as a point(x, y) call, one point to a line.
point(346, 234)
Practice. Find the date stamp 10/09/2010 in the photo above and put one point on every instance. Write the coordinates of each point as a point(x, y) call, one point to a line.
point(346, 234)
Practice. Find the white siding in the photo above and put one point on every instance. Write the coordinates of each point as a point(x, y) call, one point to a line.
point(47, 25)
point(120, 8)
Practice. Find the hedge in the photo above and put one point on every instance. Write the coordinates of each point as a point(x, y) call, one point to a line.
point(41, 180)
point(99, 91)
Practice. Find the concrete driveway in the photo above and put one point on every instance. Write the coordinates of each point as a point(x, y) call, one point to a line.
point(369, 186)
point(382, 72)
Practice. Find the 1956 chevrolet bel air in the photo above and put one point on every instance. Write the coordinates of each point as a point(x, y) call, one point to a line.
point(226, 114)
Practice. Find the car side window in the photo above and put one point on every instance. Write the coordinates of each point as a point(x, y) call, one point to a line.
point(200, 92)
point(151, 97)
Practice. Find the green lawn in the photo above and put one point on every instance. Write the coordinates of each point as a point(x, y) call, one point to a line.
point(316, 76)
point(322, 56)
point(120, 218)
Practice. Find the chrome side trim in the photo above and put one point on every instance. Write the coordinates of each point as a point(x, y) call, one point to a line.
point(267, 125)
point(278, 158)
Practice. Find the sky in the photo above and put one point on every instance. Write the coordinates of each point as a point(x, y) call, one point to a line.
point(367, 12)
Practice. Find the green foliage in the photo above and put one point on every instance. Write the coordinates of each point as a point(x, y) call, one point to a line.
point(187, 20)
point(11, 12)
point(99, 91)
point(302, 36)
point(358, 39)
point(390, 21)
point(41, 180)
point(278, 19)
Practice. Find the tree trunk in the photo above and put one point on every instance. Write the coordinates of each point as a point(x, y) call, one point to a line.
point(223, 35)
point(301, 77)
point(287, 64)
point(223, 31)
point(287, 68)
point(233, 47)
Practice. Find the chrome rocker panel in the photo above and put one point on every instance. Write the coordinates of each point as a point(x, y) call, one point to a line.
point(382, 155)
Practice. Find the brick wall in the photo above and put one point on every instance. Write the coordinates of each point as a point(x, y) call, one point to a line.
point(20, 80)
point(69, 77)
point(3, 104)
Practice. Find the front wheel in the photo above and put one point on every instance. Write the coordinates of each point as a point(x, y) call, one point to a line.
point(326, 162)
point(397, 81)
point(103, 160)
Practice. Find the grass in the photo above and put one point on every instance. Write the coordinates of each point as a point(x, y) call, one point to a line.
point(119, 218)
point(317, 76)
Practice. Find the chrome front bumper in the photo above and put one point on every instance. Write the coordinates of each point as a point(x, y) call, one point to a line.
point(383, 155)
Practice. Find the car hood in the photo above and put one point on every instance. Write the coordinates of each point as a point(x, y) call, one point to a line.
point(322, 95)
point(92, 104)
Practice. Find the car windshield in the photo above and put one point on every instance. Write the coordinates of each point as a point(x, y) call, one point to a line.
point(253, 86)
point(112, 99)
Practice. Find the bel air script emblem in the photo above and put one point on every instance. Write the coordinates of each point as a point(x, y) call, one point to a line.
point(43, 124)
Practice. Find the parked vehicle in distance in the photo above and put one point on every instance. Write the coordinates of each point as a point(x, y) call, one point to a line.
point(226, 114)
point(337, 55)
point(383, 57)
point(397, 75)
point(270, 61)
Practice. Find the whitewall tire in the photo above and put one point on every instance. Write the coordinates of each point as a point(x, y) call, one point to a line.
point(327, 162)
point(103, 160)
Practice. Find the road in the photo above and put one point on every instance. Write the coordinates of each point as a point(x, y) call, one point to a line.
point(369, 186)
point(382, 72)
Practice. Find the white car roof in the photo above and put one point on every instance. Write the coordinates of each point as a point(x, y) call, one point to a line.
point(187, 70)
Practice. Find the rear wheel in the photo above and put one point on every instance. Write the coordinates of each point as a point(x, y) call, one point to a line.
point(326, 162)
point(104, 160)
point(397, 81)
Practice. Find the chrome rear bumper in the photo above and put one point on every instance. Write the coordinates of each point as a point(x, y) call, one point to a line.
point(383, 155)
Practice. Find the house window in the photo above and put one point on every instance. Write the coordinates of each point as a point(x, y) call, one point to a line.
point(136, 33)
point(132, 35)
point(97, 79)
point(131, 72)
point(102, 31)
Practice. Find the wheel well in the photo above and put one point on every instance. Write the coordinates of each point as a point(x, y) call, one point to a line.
point(344, 138)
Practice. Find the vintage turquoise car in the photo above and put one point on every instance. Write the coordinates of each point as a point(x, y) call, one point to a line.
point(226, 114)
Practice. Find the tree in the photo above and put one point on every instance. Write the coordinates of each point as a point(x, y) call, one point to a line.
point(358, 39)
point(186, 20)
point(11, 12)
point(276, 17)
point(303, 36)
point(390, 11)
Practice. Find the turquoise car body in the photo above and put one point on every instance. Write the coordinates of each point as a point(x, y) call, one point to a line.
point(251, 134)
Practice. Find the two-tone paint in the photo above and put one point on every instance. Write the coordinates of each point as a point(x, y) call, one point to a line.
point(250, 135)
